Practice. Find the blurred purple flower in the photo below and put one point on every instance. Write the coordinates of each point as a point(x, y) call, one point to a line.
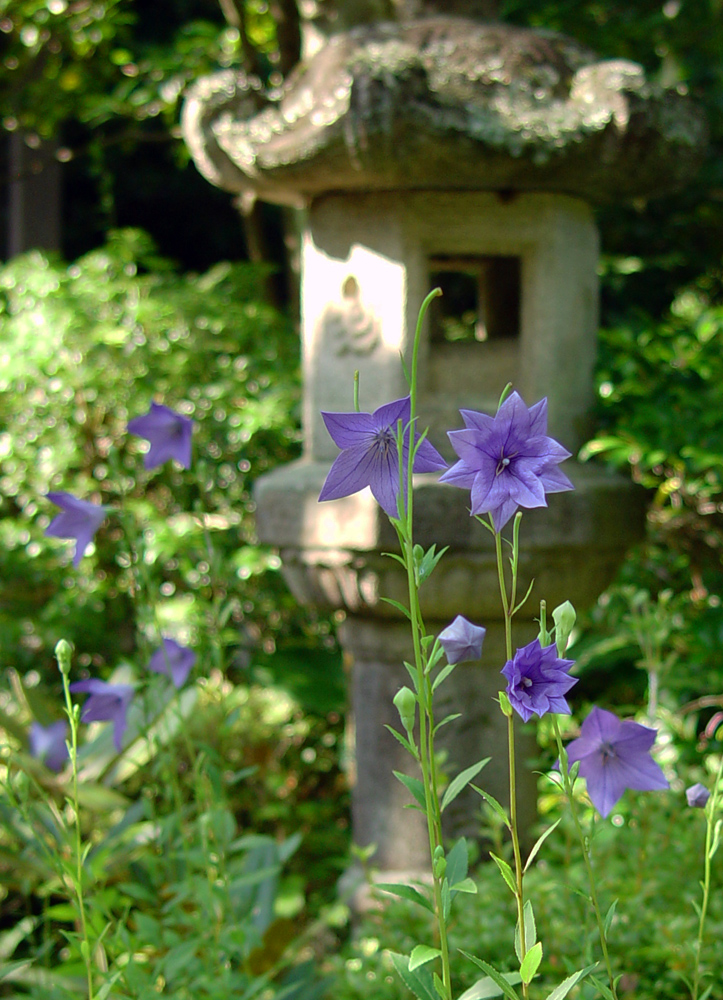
point(107, 703)
point(697, 796)
point(80, 520)
point(47, 743)
point(169, 434)
point(507, 461)
point(615, 755)
point(462, 640)
point(174, 660)
point(369, 454)
point(538, 681)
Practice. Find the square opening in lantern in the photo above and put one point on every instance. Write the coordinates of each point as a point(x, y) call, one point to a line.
point(480, 299)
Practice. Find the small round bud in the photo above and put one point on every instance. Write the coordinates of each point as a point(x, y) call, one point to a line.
point(697, 796)
point(63, 654)
point(505, 704)
point(405, 702)
point(564, 617)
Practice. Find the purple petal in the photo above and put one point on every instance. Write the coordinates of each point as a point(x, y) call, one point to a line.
point(350, 430)
point(605, 784)
point(174, 660)
point(169, 434)
point(428, 459)
point(388, 416)
point(459, 474)
point(351, 471)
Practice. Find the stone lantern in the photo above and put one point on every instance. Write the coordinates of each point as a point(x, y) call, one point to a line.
point(443, 152)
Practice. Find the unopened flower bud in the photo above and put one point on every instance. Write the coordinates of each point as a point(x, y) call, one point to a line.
point(505, 704)
point(564, 617)
point(405, 702)
point(697, 796)
point(63, 654)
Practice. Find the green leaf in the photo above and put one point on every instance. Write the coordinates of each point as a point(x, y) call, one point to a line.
point(530, 930)
point(405, 892)
point(413, 785)
point(420, 981)
point(446, 719)
point(602, 988)
point(457, 862)
point(421, 954)
point(402, 739)
point(486, 987)
point(531, 963)
point(609, 917)
point(561, 991)
point(466, 885)
point(398, 606)
point(539, 842)
point(461, 781)
point(506, 871)
point(439, 987)
point(494, 804)
point(443, 673)
point(502, 980)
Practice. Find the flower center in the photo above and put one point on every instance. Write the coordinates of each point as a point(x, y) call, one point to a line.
point(526, 682)
point(385, 441)
point(503, 462)
point(608, 752)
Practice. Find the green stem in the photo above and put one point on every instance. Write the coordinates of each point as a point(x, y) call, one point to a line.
point(711, 809)
point(508, 607)
point(424, 692)
point(85, 947)
point(567, 784)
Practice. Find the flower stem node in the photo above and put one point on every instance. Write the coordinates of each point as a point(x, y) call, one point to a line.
point(63, 654)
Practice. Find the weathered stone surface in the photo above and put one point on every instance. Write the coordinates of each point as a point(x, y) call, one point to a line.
point(450, 103)
point(332, 552)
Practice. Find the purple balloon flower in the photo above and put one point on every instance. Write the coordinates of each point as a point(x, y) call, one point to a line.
point(538, 680)
point(697, 796)
point(169, 434)
point(613, 756)
point(80, 520)
point(369, 454)
point(107, 703)
point(47, 743)
point(462, 640)
point(507, 461)
point(174, 660)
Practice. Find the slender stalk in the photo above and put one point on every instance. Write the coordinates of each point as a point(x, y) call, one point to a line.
point(424, 692)
point(508, 607)
point(62, 652)
point(567, 784)
point(710, 848)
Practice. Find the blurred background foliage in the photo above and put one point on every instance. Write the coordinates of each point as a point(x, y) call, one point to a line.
point(145, 310)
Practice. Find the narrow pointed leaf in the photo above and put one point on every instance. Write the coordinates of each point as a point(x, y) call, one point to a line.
point(466, 885)
point(420, 981)
point(446, 719)
point(439, 987)
point(494, 804)
point(561, 991)
point(398, 606)
point(506, 871)
point(413, 785)
point(539, 842)
point(405, 892)
point(531, 963)
point(457, 862)
point(530, 931)
point(604, 990)
point(609, 916)
point(421, 954)
point(500, 979)
point(461, 781)
point(402, 739)
point(443, 673)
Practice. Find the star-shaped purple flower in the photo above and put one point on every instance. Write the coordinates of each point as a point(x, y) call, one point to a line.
point(47, 743)
point(174, 660)
point(369, 454)
point(107, 703)
point(507, 461)
point(80, 520)
point(615, 755)
point(462, 640)
point(538, 680)
point(169, 434)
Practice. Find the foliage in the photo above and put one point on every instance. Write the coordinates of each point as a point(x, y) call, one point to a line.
point(660, 390)
point(182, 892)
point(87, 347)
